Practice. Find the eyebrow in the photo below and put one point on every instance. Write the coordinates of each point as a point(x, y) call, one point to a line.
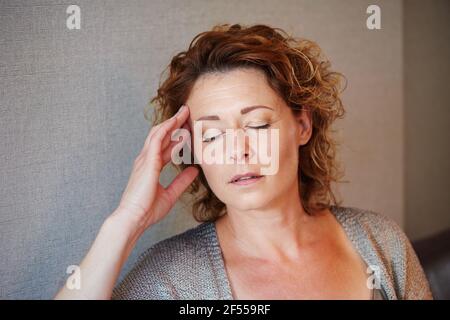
point(243, 111)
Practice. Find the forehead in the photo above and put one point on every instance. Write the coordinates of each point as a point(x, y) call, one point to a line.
point(229, 92)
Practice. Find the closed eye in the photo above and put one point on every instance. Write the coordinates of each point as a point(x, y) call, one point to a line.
point(264, 126)
point(211, 139)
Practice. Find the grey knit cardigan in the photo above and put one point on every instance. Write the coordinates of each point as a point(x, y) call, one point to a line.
point(190, 265)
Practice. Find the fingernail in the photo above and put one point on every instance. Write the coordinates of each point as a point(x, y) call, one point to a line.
point(179, 111)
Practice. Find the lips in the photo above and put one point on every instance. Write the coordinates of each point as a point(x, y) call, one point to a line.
point(244, 177)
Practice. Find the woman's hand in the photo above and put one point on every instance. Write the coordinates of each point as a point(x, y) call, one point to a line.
point(145, 201)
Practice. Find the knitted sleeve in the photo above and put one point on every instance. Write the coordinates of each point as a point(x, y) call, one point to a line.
point(406, 272)
point(146, 280)
point(413, 285)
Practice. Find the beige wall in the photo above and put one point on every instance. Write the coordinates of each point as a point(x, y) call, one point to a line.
point(427, 115)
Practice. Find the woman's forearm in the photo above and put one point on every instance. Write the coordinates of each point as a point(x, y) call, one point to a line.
point(101, 266)
point(144, 202)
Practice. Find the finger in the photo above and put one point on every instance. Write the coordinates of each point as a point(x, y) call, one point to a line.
point(156, 128)
point(167, 153)
point(181, 115)
point(153, 130)
point(168, 150)
point(185, 134)
point(179, 118)
point(155, 147)
point(161, 138)
point(187, 126)
point(180, 183)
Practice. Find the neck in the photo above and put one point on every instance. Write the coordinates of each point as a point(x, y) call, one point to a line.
point(274, 232)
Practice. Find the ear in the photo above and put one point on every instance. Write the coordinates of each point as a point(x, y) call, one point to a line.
point(303, 120)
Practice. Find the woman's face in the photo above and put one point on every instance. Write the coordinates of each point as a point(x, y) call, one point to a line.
point(225, 98)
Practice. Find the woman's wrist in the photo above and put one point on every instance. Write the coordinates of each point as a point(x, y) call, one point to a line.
point(102, 264)
point(122, 224)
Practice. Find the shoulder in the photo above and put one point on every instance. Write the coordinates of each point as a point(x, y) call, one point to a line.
point(373, 231)
point(176, 247)
point(162, 268)
point(363, 222)
point(383, 242)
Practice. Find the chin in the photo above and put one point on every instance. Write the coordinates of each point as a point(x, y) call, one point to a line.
point(248, 201)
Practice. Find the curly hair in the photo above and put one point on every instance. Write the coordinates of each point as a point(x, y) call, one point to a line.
point(298, 72)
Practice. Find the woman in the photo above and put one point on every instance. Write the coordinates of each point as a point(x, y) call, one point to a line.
point(281, 235)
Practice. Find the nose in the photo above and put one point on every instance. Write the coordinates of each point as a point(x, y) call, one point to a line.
point(240, 150)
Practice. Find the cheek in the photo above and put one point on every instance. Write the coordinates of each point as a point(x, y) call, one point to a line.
point(211, 173)
point(287, 141)
point(288, 149)
point(286, 145)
